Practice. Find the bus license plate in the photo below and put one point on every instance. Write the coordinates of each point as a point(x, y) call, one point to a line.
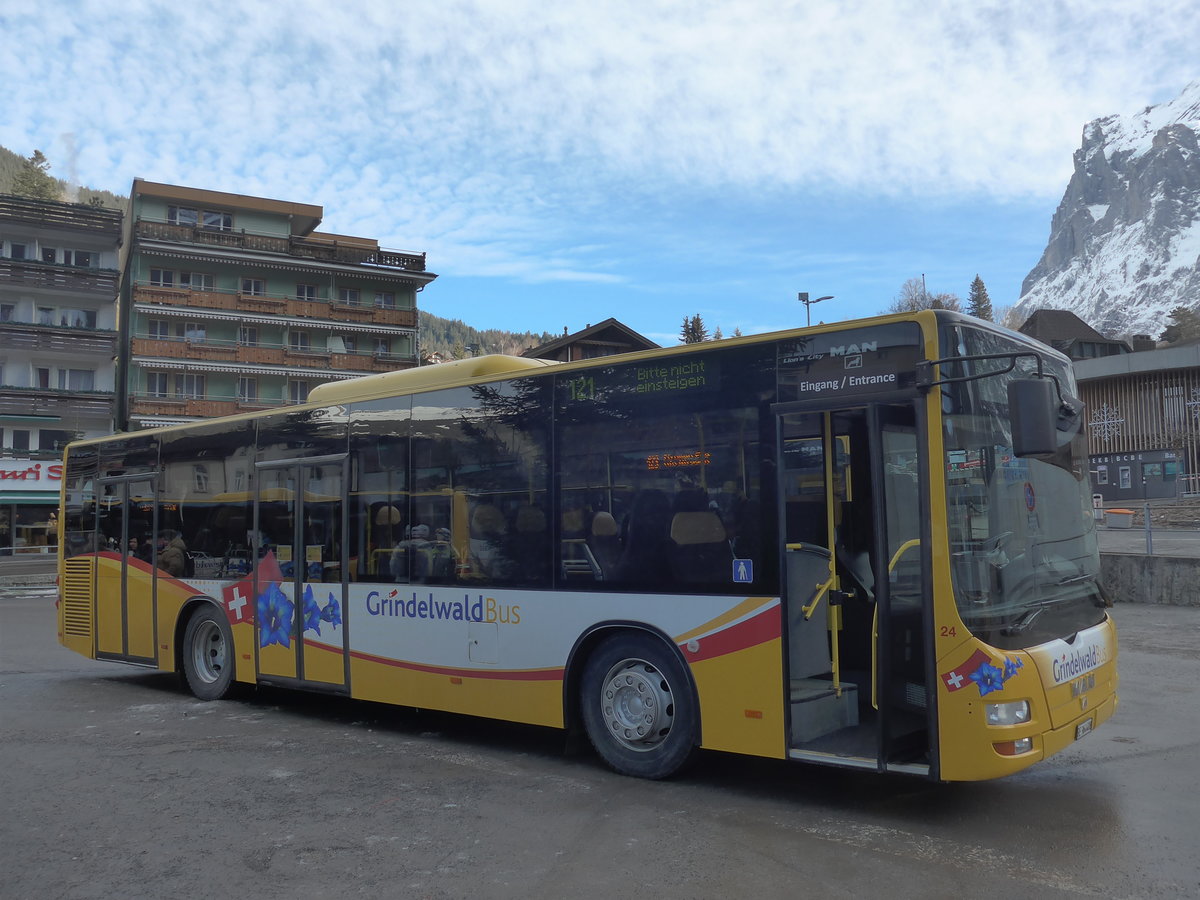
point(1083, 728)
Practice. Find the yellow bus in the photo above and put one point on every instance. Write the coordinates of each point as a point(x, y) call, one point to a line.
point(866, 545)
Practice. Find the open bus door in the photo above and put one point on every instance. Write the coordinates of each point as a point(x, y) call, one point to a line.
point(299, 547)
point(857, 624)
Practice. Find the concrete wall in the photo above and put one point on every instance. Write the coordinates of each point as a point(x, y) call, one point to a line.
point(1137, 578)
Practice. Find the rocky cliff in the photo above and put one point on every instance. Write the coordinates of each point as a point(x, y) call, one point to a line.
point(1124, 245)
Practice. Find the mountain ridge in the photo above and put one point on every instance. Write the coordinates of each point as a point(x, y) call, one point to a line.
point(1124, 245)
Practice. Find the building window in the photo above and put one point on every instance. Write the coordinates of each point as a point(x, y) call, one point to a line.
point(49, 255)
point(248, 336)
point(8, 312)
point(156, 384)
point(190, 385)
point(162, 278)
point(197, 281)
point(382, 346)
point(194, 332)
point(255, 287)
point(76, 380)
point(217, 221)
point(298, 391)
point(77, 318)
point(16, 251)
point(85, 258)
point(350, 296)
point(182, 215)
point(20, 439)
point(247, 389)
point(200, 478)
point(159, 329)
point(53, 439)
point(45, 315)
point(42, 376)
point(385, 299)
point(306, 292)
point(351, 343)
point(298, 340)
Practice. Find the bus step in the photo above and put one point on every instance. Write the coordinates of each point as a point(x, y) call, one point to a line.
point(817, 710)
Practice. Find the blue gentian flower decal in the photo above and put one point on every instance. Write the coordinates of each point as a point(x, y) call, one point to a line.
point(332, 613)
point(989, 679)
point(312, 612)
point(1010, 667)
point(275, 612)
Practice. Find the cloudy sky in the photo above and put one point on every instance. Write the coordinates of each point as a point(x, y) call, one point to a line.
point(565, 162)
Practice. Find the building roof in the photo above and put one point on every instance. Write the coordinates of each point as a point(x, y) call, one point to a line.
point(1050, 325)
point(305, 217)
point(610, 331)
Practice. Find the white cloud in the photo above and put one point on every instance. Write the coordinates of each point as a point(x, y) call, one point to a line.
point(484, 129)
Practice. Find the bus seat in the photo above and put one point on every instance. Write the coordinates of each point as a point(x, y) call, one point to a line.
point(530, 550)
point(700, 551)
point(644, 555)
point(604, 541)
point(487, 531)
point(530, 521)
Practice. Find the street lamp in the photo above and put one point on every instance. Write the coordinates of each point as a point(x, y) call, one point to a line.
point(808, 305)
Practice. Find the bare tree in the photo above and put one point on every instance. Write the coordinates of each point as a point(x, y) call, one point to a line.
point(913, 296)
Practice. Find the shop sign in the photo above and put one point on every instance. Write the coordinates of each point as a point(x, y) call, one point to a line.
point(20, 475)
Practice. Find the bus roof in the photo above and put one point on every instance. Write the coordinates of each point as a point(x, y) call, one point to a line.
point(406, 381)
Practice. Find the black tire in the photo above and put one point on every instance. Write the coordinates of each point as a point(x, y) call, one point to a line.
point(637, 706)
point(208, 657)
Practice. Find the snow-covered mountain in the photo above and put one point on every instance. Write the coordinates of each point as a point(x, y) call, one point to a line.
point(1124, 244)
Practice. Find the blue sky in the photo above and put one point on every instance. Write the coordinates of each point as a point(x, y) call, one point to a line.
point(562, 163)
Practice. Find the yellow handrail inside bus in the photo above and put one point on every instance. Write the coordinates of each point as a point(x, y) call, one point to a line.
point(907, 545)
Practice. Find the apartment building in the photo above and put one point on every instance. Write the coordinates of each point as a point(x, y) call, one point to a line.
point(58, 340)
point(231, 303)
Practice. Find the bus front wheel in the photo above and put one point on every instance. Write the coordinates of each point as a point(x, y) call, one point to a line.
point(208, 654)
point(637, 706)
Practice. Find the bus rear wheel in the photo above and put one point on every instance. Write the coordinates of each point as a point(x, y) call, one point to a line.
point(208, 654)
point(637, 707)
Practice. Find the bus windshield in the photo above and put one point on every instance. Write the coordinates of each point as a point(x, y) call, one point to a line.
point(1023, 542)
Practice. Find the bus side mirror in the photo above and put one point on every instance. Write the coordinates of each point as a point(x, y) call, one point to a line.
point(1033, 406)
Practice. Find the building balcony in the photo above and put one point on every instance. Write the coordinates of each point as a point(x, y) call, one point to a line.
point(24, 274)
point(269, 355)
point(275, 304)
point(56, 214)
point(143, 404)
point(23, 336)
point(46, 402)
point(347, 253)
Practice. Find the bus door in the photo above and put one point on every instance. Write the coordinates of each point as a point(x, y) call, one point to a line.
point(125, 531)
point(298, 528)
point(853, 589)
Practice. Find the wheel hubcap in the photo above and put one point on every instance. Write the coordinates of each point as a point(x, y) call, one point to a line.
point(208, 652)
point(637, 705)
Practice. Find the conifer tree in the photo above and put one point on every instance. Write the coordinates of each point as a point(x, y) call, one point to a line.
point(979, 304)
point(33, 181)
point(1184, 326)
point(693, 330)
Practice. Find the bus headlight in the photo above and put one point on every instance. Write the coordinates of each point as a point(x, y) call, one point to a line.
point(1008, 713)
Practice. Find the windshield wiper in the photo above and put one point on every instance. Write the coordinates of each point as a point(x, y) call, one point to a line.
point(1023, 623)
